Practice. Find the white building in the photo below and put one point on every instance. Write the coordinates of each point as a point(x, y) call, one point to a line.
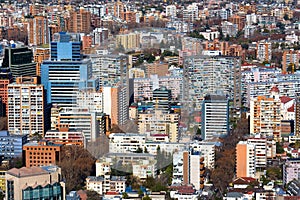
point(25, 107)
point(171, 11)
point(264, 51)
point(103, 184)
point(210, 35)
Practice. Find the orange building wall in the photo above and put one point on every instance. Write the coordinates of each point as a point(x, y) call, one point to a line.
point(241, 160)
point(41, 155)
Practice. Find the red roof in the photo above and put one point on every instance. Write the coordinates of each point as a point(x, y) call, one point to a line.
point(274, 89)
point(285, 99)
point(112, 193)
point(291, 109)
point(244, 180)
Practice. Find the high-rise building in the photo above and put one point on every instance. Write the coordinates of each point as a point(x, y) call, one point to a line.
point(80, 21)
point(245, 159)
point(159, 123)
point(297, 116)
point(128, 41)
point(38, 31)
point(265, 115)
point(162, 98)
point(215, 117)
point(290, 59)
point(115, 104)
point(18, 61)
point(215, 75)
point(3, 93)
point(82, 120)
point(40, 55)
point(66, 73)
point(41, 153)
point(188, 168)
point(264, 51)
point(26, 107)
point(291, 170)
point(35, 183)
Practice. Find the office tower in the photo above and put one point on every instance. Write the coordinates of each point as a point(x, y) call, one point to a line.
point(26, 107)
point(18, 61)
point(38, 31)
point(245, 159)
point(162, 98)
point(66, 73)
point(290, 61)
point(40, 55)
point(264, 51)
point(216, 75)
point(215, 117)
point(80, 21)
point(35, 183)
point(265, 115)
point(11, 146)
point(188, 169)
point(41, 153)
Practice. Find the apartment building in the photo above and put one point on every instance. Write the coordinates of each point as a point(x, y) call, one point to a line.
point(40, 54)
point(215, 75)
point(291, 170)
point(264, 51)
point(245, 159)
point(26, 107)
point(265, 115)
point(128, 41)
point(38, 31)
point(188, 169)
point(158, 122)
point(65, 136)
point(144, 87)
point(107, 183)
point(290, 61)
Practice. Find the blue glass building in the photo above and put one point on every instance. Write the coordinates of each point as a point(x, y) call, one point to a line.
point(11, 146)
point(66, 72)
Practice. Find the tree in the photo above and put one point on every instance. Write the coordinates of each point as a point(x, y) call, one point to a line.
point(92, 195)
point(146, 198)
point(125, 195)
point(279, 148)
point(139, 150)
point(76, 164)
